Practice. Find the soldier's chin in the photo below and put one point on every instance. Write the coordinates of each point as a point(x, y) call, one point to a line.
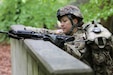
point(65, 32)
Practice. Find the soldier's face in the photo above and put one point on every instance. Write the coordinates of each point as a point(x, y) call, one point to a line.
point(65, 24)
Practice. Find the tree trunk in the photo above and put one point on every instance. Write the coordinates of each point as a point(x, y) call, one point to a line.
point(108, 23)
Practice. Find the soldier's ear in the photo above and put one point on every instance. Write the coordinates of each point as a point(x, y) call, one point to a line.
point(75, 21)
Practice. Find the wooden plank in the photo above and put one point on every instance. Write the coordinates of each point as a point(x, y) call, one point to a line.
point(19, 58)
point(35, 68)
point(13, 62)
point(41, 71)
point(29, 65)
point(56, 60)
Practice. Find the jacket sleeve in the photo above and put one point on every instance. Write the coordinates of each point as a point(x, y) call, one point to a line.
point(43, 30)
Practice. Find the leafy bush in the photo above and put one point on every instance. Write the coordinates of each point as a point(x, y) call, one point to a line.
point(97, 9)
point(34, 13)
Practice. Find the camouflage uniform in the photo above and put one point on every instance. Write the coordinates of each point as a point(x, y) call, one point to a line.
point(99, 49)
point(76, 47)
point(85, 48)
point(40, 30)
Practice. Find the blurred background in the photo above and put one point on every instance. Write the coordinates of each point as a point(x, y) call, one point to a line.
point(42, 13)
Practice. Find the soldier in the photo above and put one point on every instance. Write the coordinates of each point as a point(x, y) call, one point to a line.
point(71, 20)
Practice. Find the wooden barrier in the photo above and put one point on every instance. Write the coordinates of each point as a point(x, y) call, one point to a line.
point(38, 57)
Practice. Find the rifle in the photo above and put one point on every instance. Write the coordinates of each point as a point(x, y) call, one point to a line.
point(58, 40)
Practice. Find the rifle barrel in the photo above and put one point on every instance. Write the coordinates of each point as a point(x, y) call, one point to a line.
point(4, 32)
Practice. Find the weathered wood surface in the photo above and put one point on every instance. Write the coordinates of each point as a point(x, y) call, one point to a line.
point(38, 57)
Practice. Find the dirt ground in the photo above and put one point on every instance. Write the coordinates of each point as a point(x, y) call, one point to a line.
point(5, 59)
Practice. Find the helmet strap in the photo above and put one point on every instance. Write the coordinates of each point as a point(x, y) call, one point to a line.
point(73, 25)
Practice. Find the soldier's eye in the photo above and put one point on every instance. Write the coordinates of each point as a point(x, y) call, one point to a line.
point(64, 20)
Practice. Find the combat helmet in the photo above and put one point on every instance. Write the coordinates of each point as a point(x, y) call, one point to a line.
point(69, 10)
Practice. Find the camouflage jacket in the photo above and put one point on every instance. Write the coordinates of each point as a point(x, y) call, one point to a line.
point(76, 47)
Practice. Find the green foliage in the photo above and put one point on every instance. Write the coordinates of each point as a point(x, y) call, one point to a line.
point(30, 12)
point(97, 9)
point(34, 13)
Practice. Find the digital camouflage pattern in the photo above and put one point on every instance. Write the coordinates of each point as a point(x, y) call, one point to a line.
point(69, 9)
point(42, 30)
point(99, 49)
point(76, 47)
point(94, 46)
